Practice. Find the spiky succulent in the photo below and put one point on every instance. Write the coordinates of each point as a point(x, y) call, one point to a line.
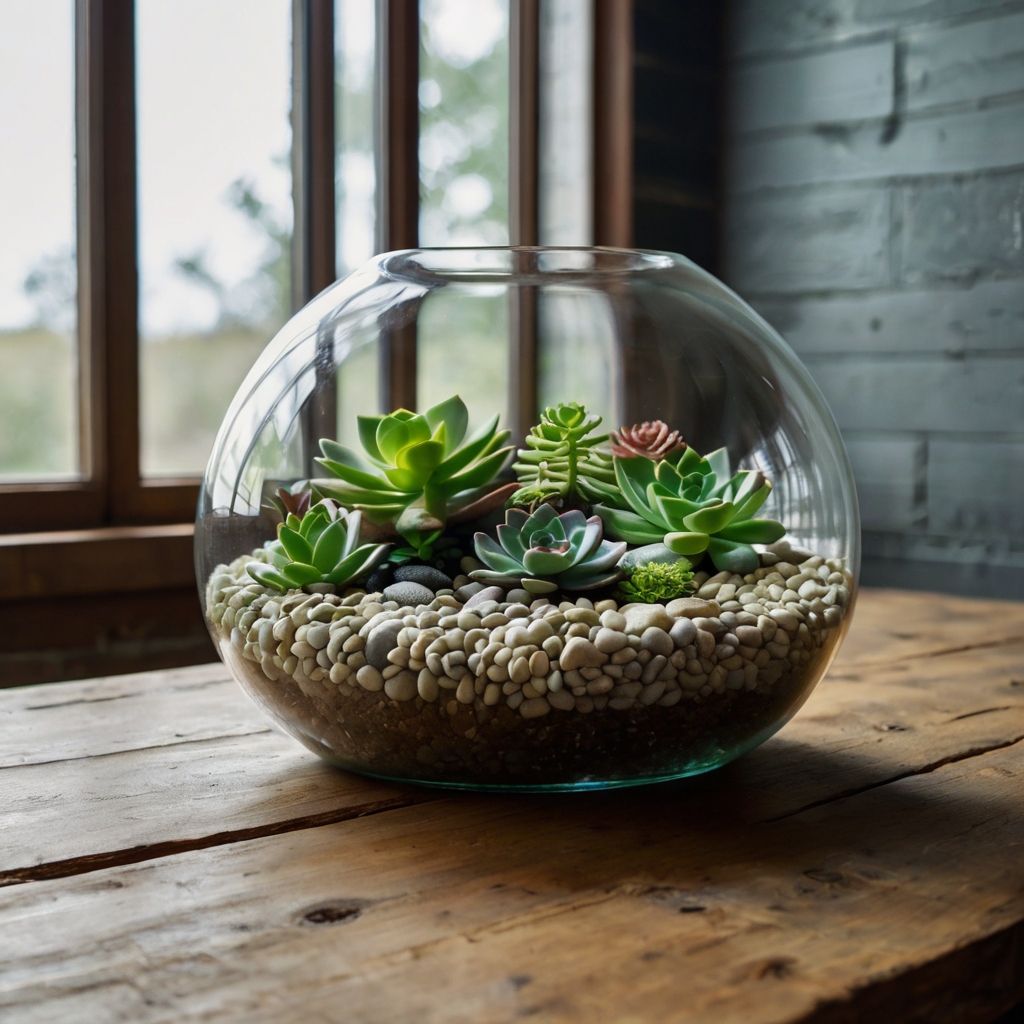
point(544, 552)
point(560, 459)
point(416, 472)
point(693, 505)
point(321, 547)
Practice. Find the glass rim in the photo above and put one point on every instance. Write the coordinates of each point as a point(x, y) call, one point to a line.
point(521, 264)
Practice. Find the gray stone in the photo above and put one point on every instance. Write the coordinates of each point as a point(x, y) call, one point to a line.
point(683, 632)
point(657, 641)
point(466, 592)
point(608, 641)
point(382, 638)
point(425, 575)
point(410, 594)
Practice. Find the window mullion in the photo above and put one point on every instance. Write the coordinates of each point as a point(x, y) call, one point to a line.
point(107, 247)
point(313, 238)
point(523, 220)
point(613, 122)
point(398, 182)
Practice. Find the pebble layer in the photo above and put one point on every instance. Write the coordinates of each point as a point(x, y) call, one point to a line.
point(737, 633)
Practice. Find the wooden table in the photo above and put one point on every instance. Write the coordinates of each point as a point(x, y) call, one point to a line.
point(168, 857)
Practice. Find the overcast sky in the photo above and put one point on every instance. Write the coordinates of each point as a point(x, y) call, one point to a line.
point(213, 106)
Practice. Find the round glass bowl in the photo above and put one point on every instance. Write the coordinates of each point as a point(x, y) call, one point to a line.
point(569, 648)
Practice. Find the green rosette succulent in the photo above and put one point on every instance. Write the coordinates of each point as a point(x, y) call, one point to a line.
point(560, 459)
point(416, 471)
point(321, 547)
point(544, 552)
point(693, 505)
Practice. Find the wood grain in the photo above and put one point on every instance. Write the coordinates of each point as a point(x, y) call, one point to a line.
point(586, 909)
point(180, 861)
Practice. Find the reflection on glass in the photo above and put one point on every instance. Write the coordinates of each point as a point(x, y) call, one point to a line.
point(354, 155)
point(576, 352)
point(464, 122)
point(215, 214)
point(462, 348)
point(566, 122)
point(38, 372)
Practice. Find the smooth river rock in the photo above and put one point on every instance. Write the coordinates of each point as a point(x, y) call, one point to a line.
point(692, 608)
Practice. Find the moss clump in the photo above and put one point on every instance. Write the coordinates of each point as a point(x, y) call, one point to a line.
point(654, 582)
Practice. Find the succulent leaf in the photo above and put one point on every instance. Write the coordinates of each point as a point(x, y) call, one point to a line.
point(322, 547)
point(753, 531)
point(555, 552)
point(560, 458)
point(414, 461)
point(453, 415)
point(695, 504)
point(629, 526)
point(733, 557)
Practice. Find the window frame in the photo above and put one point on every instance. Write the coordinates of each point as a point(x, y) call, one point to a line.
point(112, 492)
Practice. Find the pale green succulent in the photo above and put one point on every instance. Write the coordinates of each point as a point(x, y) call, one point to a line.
point(544, 552)
point(693, 505)
point(416, 471)
point(321, 547)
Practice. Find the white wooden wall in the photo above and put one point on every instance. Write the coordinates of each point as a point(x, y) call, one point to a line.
point(874, 202)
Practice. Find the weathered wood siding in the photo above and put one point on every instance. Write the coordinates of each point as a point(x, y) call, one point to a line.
point(873, 213)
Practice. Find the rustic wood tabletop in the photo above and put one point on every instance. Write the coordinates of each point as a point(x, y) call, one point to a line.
point(167, 856)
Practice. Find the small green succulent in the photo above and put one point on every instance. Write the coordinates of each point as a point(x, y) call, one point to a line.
point(657, 582)
point(560, 459)
point(417, 472)
point(693, 505)
point(321, 547)
point(544, 552)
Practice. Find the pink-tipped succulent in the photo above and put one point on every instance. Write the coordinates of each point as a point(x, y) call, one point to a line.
point(648, 440)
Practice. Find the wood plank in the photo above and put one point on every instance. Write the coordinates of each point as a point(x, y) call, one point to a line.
point(482, 909)
point(850, 84)
point(57, 722)
point(108, 560)
point(951, 143)
point(902, 624)
point(58, 817)
point(870, 722)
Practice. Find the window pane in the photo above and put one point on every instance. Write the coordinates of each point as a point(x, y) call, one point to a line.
point(354, 161)
point(464, 122)
point(566, 122)
point(215, 211)
point(462, 348)
point(38, 321)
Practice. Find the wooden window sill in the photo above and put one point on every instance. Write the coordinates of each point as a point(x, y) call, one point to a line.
point(100, 561)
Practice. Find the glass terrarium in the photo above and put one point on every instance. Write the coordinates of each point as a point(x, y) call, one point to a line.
point(528, 518)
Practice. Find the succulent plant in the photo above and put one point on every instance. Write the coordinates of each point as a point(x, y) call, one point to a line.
point(693, 505)
point(655, 582)
point(417, 472)
point(543, 552)
point(649, 440)
point(321, 547)
point(560, 459)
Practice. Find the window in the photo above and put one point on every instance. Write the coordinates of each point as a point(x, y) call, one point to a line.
point(186, 175)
